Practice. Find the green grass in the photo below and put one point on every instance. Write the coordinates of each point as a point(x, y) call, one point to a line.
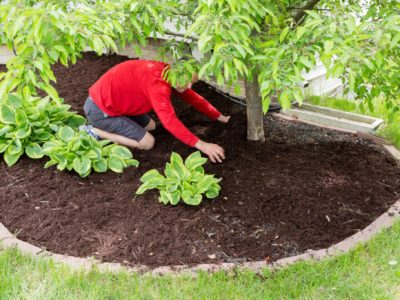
point(391, 129)
point(364, 273)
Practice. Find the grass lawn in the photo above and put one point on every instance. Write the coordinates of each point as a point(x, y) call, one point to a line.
point(372, 271)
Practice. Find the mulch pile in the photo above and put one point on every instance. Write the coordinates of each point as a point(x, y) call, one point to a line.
point(304, 188)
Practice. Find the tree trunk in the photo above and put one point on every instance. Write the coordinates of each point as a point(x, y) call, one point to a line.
point(255, 126)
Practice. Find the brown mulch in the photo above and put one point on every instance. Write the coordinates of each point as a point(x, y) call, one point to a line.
point(304, 188)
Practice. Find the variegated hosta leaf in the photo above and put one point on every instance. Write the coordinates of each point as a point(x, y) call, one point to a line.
point(184, 181)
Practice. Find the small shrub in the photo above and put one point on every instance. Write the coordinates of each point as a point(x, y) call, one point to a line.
point(80, 152)
point(182, 180)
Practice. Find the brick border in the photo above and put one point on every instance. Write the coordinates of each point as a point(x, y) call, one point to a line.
point(386, 220)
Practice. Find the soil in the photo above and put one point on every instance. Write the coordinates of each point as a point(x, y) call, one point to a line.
point(304, 188)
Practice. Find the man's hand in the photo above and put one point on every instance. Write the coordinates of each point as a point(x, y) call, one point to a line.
point(223, 119)
point(215, 152)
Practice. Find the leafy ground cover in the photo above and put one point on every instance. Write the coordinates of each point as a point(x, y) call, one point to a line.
point(26, 123)
point(80, 152)
point(183, 180)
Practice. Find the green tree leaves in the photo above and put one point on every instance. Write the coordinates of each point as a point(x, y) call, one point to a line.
point(183, 180)
point(237, 40)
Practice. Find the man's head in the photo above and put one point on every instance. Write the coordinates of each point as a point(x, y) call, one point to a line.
point(181, 89)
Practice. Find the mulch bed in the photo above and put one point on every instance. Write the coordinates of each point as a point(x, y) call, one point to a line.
point(304, 188)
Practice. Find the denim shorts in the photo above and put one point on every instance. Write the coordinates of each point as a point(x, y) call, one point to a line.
point(128, 126)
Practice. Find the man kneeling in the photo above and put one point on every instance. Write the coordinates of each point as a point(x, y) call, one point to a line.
point(119, 101)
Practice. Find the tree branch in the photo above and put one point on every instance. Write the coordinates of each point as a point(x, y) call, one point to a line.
point(298, 18)
point(181, 35)
point(300, 8)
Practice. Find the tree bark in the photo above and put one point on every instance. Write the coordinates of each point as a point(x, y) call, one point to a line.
point(298, 18)
point(255, 124)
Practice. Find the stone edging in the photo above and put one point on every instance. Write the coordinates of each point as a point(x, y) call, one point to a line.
point(386, 220)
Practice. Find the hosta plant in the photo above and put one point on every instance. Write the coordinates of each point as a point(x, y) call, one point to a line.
point(184, 180)
point(27, 122)
point(81, 152)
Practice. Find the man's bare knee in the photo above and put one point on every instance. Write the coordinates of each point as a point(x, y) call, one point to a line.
point(147, 142)
point(151, 126)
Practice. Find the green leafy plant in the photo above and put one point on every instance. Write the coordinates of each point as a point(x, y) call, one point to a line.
point(27, 122)
point(80, 152)
point(184, 180)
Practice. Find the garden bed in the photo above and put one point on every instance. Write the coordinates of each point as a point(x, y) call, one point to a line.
point(304, 188)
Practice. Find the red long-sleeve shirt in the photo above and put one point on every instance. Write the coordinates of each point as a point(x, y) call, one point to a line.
point(136, 87)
